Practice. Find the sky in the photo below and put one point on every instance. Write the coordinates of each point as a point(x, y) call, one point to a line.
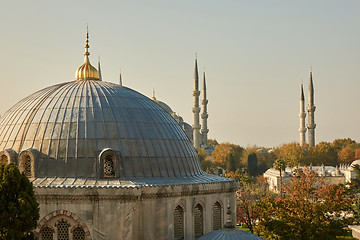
point(255, 54)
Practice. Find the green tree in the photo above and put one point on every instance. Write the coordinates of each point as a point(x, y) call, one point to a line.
point(252, 164)
point(19, 210)
point(291, 153)
point(280, 166)
point(213, 142)
point(310, 209)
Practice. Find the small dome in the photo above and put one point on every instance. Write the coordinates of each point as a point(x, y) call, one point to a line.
point(356, 162)
point(87, 71)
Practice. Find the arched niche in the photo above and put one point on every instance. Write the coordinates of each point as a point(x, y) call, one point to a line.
point(27, 161)
point(108, 163)
point(8, 156)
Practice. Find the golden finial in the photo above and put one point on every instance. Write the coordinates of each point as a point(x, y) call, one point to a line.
point(87, 71)
point(310, 68)
point(196, 56)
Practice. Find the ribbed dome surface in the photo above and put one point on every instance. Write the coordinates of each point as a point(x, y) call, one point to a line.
point(70, 124)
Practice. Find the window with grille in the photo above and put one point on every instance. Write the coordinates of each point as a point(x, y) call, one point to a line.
point(63, 230)
point(178, 223)
point(109, 166)
point(216, 216)
point(27, 165)
point(79, 234)
point(198, 221)
point(47, 234)
point(4, 159)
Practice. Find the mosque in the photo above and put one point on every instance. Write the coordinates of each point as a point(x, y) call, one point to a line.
point(107, 162)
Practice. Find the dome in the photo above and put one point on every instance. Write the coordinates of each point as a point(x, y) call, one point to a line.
point(67, 127)
point(356, 162)
point(164, 106)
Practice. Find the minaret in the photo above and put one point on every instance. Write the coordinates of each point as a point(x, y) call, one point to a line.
point(311, 110)
point(196, 108)
point(120, 80)
point(302, 116)
point(99, 69)
point(204, 114)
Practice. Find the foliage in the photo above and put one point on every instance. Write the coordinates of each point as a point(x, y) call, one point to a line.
point(19, 210)
point(205, 161)
point(265, 160)
point(228, 156)
point(248, 211)
point(310, 209)
point(346, 155)
point(252, 164)
point(240, 174)
point(212, 142)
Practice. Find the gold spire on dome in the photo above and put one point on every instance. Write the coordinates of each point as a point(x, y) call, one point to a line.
point(87, 71)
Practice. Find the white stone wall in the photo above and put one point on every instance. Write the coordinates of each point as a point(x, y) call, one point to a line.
point(144, 213)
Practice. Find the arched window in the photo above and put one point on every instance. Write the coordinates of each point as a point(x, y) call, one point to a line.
point(26, 167)
point(4, 159)
point(216, 216)
point(198, 220)
point(109, 166)
point(62, 230)
point(178, 223)
point(78, 234)
point(47, 233)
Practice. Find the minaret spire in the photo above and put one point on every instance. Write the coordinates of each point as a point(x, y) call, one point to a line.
point(311, 111)
point(153, 96)
point(196, 108)
point(120, 79)
point(99, 69)
point(302, 116)
point(204, 114)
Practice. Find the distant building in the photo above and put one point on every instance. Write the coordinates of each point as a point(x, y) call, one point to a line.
point(333, 175)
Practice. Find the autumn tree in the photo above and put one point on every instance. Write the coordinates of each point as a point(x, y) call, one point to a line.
point(240, 174)
point(247, 197)
point(227, 155)
point(339, 144)
point(346, 155)
point(323, 153)
point(19, 210)
point(310, 209)
point(291, 153)
point(357, 153)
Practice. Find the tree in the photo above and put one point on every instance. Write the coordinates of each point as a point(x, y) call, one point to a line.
point(247, 197)
point(280, 166)
point(212, 142)
point(291, 153)
point(357, 153)
point(252, 164)
point(240, 174)
point(346, 155)
point(227, 156)
point(310, 209)
point(339, 144)
point(19, 210)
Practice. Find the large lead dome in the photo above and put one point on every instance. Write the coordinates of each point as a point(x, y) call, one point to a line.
point(68, 126)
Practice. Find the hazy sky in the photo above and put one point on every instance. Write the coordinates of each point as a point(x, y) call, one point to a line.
point(255, 54)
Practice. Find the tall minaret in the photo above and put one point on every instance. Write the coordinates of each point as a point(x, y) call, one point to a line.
point(204, 114)
point(196, 108)
point(302, 116)
point(311, 110)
